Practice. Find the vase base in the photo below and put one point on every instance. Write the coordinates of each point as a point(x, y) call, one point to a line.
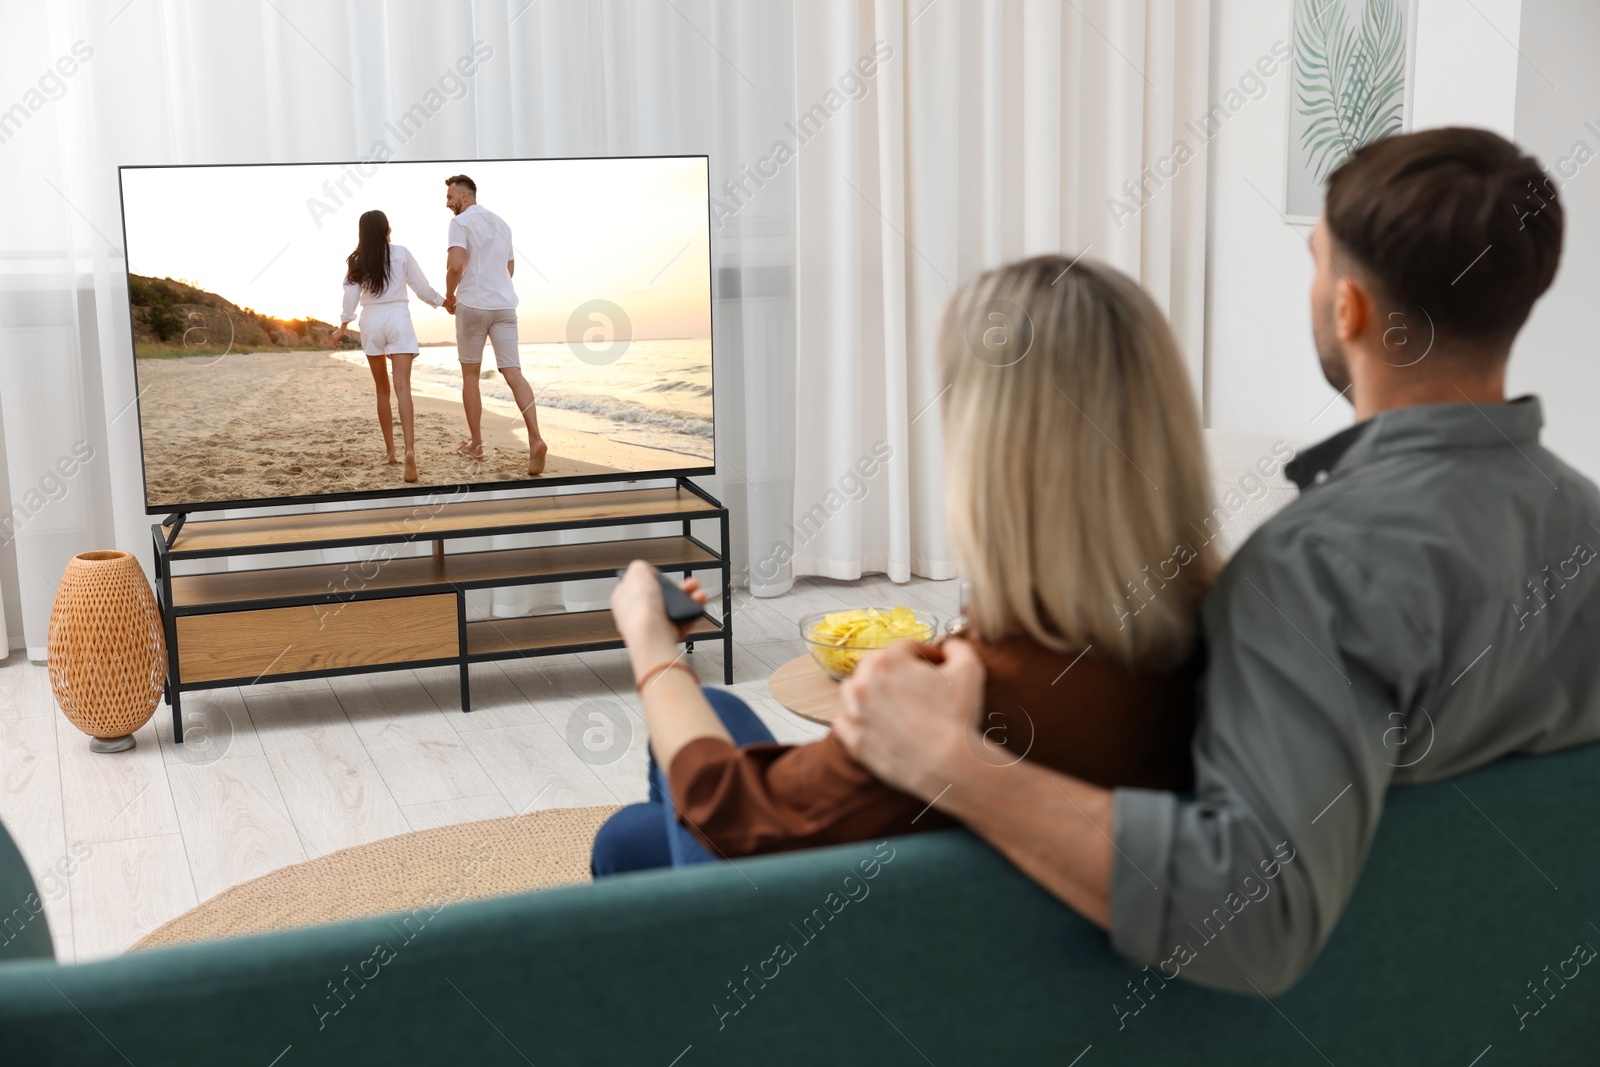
point(111, 744)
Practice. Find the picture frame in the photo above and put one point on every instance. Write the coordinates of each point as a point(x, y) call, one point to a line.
point(1377, 35)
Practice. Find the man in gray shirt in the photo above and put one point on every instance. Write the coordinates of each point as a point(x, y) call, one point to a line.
point(1426, 606)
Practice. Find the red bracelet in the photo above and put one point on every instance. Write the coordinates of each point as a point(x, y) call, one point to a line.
point(651, 674)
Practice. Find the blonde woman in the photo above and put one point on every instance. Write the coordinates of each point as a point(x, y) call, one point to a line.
point(1075, 468)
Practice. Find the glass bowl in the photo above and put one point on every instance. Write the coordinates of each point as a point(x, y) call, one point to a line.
point(839, 652)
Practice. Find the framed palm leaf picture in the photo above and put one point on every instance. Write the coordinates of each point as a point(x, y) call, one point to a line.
point(1350, 84)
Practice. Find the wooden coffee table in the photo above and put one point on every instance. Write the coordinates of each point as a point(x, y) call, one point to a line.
point(802, 686)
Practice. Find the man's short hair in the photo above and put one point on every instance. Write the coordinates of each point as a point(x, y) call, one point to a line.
point(464, 182)
point(1457, 222)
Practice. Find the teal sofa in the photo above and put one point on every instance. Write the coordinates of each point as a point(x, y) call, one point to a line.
point(1475, 890)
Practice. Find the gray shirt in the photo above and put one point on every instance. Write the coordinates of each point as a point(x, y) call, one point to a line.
point(1427, 605)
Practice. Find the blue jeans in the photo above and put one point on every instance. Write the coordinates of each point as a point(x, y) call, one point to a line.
point(642, 836)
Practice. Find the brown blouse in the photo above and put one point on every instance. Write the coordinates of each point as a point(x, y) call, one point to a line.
point(1083, 716)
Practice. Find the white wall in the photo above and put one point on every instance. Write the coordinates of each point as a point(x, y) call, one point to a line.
point(1466, 64)
point(1261, 367)
point(1558, 91)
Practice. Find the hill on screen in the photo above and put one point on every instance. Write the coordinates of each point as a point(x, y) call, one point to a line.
point(173, 318)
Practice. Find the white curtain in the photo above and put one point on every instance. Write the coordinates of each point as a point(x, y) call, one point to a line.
point(867, 155)
point(250, 81)
point(989, 130)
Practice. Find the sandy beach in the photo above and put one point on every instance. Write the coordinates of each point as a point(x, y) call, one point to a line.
point(258, 425)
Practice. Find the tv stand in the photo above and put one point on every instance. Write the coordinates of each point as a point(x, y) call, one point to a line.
point(399, 610)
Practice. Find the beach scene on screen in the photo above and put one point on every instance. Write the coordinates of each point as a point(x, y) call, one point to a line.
point(247, 391)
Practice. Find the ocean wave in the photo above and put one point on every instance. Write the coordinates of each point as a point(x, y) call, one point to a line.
point(675, 386)
point(605, 407)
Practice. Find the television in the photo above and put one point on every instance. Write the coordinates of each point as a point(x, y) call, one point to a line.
point(249, 394)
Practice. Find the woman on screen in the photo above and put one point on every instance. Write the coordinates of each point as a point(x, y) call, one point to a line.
point(376, 276)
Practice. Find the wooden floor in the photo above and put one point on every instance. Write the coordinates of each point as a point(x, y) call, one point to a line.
point(274, 774)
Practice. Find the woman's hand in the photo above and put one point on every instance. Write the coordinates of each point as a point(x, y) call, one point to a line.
point(338, 335)
point(641, 616)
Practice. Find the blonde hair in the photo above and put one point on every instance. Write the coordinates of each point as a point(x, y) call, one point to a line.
point(1075, 464)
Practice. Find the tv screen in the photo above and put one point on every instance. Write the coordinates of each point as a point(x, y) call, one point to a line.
point(240, 278)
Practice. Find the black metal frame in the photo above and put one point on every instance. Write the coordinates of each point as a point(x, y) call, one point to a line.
point(164, 536)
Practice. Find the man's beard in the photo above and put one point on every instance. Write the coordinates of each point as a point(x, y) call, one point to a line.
point(1330, 353)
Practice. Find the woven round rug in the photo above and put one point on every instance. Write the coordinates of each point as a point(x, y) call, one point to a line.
point(468, 861)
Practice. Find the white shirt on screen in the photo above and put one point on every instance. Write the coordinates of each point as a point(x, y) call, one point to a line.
point(485, 281)
point(403, 271)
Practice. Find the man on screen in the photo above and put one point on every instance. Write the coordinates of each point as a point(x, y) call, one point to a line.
point(479, 293)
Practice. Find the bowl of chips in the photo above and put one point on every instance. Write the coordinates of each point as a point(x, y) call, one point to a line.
point(838, 639)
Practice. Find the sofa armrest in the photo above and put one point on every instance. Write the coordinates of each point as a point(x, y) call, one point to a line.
point(24, 931)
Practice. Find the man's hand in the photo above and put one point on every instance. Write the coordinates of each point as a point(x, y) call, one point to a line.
point(910, 721)
point(915, 725)
point(449, 303)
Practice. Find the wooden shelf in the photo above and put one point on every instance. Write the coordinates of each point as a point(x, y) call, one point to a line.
point(501, 638)
point(512, 566)
point(397, 609)
point(426, 521)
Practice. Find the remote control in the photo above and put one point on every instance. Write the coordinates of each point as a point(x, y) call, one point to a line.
point(681, 607)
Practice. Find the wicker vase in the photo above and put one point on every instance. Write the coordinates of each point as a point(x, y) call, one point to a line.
point(107, 653)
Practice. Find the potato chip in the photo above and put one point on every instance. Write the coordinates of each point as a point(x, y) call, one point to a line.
point(839, 639)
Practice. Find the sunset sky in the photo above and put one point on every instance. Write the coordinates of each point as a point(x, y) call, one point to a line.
point(633, 231)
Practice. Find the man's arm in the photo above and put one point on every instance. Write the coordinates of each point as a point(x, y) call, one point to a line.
point(923, 738)
point(1311, 671)
point(1314, 672)
point(455, 264)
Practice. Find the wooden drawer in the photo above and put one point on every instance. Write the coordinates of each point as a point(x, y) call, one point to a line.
point(325, 637)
